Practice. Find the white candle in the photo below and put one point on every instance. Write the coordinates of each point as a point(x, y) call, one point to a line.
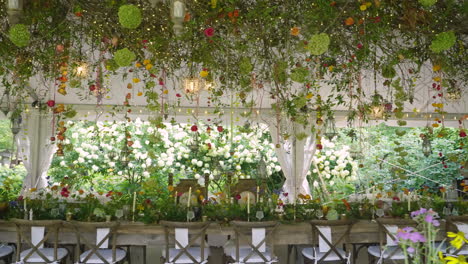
point(248, 203)
point(134, 202)
point(175, 197)
point(30, 214)
point(258, 192)
point(24, 206)
point(189, 196)
point(409, 201)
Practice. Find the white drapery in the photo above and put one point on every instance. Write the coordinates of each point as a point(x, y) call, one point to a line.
point(35, 148)
point(294, 155)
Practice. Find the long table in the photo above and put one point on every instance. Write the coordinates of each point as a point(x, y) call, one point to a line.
point(140, 234)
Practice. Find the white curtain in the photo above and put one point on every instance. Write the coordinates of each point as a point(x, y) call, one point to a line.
point(35, 148)
point(294, 155)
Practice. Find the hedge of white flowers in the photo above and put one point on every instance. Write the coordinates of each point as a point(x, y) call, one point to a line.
point(93, 156)
point(335, 165)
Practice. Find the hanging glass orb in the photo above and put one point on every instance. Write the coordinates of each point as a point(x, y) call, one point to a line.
point(192, 85)
point(426, 145)
point(330, 128)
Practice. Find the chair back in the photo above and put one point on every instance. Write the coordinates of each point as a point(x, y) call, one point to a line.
point(388, 229)
point(322, 235)
point(260, 232)
point(40, 231)
point(103, 231)
point(182, 239)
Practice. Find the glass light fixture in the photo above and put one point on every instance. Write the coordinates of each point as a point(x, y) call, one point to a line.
point(330, 128)
point(377, 108)
point(81, 70)
point(178, 15)
point(426, 145)
point(15, 124)
point(191, 85)
point(208, 85)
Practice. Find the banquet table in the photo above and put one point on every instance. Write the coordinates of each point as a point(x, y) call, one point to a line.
point(152, 235)
point(140, 234)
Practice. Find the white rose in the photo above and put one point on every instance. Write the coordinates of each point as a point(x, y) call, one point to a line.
point(160, 163)
point(278, 168)
point(81, 160)
point(316, 184)
point(146, 174)
point(200, 163)
point(197, 176)
point(63, 163)
point(332, 183)
point(119, 173)
point(326, 163)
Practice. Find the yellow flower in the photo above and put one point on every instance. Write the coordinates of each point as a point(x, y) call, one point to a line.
point(170, 188)
point(458, 239)
point(436, 79)
point(330, 68)
point(146, 62)
point(368, 4)
point(436, 67)
point(363, 7)
point(32, 189)
point(140, 207)
point(204, 74)
point(166, 91)
point(139, 94)
point(455, 260)
point(309, 95)
point(295, 31)
point(149, 66)
point(136, 80)
point(138, 65)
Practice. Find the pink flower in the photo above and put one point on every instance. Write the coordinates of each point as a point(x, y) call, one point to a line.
point(209, 32)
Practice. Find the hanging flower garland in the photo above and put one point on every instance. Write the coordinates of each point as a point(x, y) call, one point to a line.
point(318, 44)
point(443, 41)
point(124, 57)
point(129, 16)
point(19, 35)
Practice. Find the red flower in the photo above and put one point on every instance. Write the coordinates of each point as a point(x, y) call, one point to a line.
point(92, 88)
point(51, 103)
point(109, 194)
point(65, 192)
point(359, 46)
point(319, 146)
point(238, 197)
point(209, 32)
point(462, 133)
point(194, 128)
point(148, 201)
point(285, 194)
point(178, 95)
point(395, 198)
point(220, 129)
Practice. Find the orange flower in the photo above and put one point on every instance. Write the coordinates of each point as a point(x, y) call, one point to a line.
point(170, 188)
point(187, 17)
point(80, 191)
point(349, 21)
point(378, 196)
point(295, 31)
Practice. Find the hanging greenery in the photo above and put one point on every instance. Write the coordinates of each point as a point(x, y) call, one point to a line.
point(19, 35)
point(129, 16)
point(443, 41)
point(124, 57)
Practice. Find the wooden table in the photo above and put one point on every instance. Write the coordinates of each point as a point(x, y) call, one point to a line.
point(364, 231)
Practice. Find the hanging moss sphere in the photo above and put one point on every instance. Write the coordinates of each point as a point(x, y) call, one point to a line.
point(19, 35)
point(129, 16)
point(443, 41)
point(299, 74)
point(124, 57)
point(318, 44)
point(427, 3)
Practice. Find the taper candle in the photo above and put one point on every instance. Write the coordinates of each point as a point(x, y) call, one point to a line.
point(258, 194)
point(248, 203)
point(134, 202)
point(189, 196)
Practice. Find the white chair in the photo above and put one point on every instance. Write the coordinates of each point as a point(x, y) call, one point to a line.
point(185, 250)
point(324, 249)
point(255, 250)
point(6, 253)
point(388, 248)
point(37, 253)
point(99, 252)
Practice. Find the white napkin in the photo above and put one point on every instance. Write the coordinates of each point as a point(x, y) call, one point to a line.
point(181, 236)
point(393, 229)
point(100, 234)
point(326, 232)
point(37, 234)
point(258, 234)
point(462, 227)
